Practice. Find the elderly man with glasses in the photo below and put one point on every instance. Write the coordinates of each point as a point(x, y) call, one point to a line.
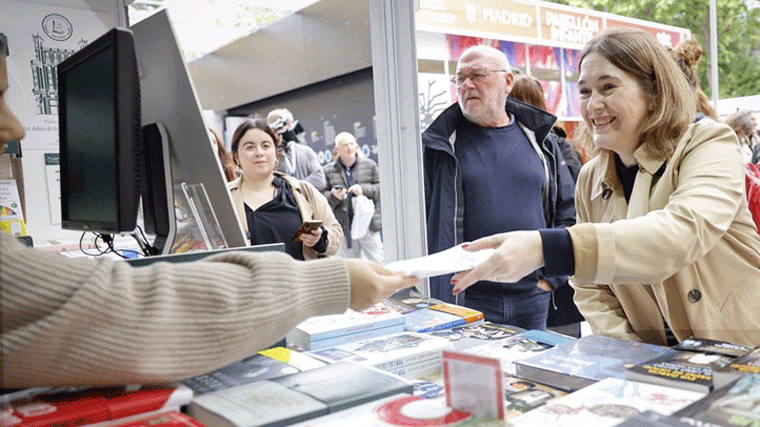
point(490, 166)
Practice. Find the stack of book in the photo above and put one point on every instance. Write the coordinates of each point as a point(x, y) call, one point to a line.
point(408, 354)
point(328, 331)
point(297, 397)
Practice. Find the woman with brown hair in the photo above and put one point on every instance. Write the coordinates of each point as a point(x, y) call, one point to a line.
point(665, 240)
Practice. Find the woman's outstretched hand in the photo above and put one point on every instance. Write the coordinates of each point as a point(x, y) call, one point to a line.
point(517, 254)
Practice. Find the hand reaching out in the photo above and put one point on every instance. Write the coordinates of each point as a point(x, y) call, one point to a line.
point(517, 254)
point(370, 282)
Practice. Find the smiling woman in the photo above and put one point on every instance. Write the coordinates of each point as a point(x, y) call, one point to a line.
point(665, 241)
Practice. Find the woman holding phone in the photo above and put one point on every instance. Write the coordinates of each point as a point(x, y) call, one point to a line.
point(274, 207)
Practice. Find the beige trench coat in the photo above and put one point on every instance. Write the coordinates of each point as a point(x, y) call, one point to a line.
point(684, 249)
point(312, 205)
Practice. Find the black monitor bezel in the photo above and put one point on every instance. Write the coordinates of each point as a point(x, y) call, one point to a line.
point(128, 141)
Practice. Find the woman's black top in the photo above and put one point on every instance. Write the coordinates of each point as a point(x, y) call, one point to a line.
point(278, 221)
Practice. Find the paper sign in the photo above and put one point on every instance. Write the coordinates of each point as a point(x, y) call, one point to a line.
point(474, 384)
point(451, 260)
point(11, 216)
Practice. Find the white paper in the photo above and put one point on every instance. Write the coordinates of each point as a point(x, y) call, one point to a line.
point(445, 262)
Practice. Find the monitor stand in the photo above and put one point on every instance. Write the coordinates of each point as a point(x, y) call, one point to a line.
point(157, 190)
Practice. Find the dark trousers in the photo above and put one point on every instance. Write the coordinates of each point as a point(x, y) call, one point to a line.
point(526, 309)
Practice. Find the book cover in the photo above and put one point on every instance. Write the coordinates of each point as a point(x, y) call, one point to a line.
point(345, 339)
point(92, 405)
point(296, 397)
point(259, 404)
point(711, 346)
point(470, 335)
point(409, 299)
point(254, 368)
point(428, 320)
point(522, 396)
point(508, 350)
point(546, 337)
point(387, 352)
point(468, 314)
point(317, 328)
point(675, 368)
point(577, 364)
point(727, 372)
point(343, 385)
point(418, 369)
point(736, 404)
point(607, 403)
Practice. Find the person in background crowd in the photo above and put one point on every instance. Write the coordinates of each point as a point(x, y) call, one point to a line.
point(563, 314)
point(224, 157)
point(271, 205)
point(349, 176)
point(687, 55)
point(70, 322)
point(743, 123)
point(490, 166)
point(297, 160)
point(665, 247)
point(528, 90)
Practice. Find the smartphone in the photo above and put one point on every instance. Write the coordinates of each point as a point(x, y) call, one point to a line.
point(307, 227)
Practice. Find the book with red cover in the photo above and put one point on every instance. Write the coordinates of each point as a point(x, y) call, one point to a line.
point(94, 405)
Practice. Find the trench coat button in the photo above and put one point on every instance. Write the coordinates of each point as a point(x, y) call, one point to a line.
point(694, 295)
point(606, 193)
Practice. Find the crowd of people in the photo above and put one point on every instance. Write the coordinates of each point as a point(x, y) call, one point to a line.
point(651, 240)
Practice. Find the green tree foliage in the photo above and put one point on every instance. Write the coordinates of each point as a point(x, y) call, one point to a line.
point(738, 35)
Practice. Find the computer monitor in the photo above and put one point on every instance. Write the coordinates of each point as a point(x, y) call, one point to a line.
point(130, 117)
point(169, 99)
point(100, 135)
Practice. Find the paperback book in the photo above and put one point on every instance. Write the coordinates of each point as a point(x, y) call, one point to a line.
point(736, 404)
point(389, 352)
point(725, 373)
point(675, 368)
point(327, 331)
point(471, 335)
point(297, 397)
point(702, 345)
point(522, 395)
point(577, 364)
point(606, 403)
point(508, 350)
point(251, 369)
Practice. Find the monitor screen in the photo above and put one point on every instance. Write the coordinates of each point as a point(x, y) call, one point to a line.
point(100, 137)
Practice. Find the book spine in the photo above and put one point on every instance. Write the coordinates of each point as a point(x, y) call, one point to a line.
point(353, 329)
point(447, 325)
point(424, 367)
point(345, 339)
point(562, 381)
point(408, 360)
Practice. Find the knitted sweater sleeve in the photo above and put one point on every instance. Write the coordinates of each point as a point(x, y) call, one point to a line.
point(84, 322)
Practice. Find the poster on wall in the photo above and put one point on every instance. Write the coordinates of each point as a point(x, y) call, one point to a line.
point(40, 36)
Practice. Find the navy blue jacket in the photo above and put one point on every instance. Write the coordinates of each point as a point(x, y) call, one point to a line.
point(443, 182)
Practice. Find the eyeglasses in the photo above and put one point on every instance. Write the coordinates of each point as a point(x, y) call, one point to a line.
point(476, 77)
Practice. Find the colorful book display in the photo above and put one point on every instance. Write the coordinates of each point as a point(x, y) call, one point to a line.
point(577, 364)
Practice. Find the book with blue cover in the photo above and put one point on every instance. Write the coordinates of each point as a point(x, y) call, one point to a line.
point(349, 326)
point(428, 320)
point(577, 364)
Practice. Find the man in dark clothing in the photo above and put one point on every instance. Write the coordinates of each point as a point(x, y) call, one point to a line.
point(489, 168)
point(348, 177)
